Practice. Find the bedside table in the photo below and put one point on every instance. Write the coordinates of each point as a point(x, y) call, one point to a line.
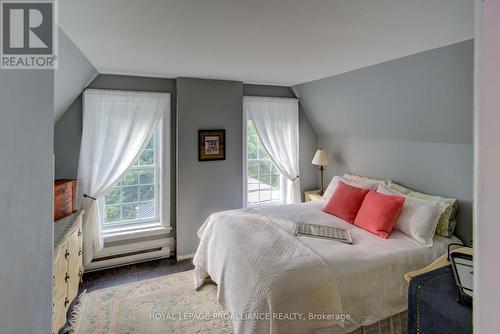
point(312, 195)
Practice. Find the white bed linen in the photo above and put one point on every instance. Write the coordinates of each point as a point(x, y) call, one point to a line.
point(368, 274)
point(262, 269)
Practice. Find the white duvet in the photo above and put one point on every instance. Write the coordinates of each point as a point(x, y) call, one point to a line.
point(249, 261)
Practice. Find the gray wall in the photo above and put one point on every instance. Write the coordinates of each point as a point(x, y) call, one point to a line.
point(26, 183)
point(74, 73)
point(409, 120)
point(68, 136)
point(208, 186)
point(68, 130)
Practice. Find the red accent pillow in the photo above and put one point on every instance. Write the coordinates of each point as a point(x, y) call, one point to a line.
point(379, 212)
point(345, 201)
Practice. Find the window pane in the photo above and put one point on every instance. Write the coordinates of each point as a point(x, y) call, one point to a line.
point(275, 169)
point(276, 180)
point(146, 210)
point(264, 168)
point(133, 199)
point(129, 211)
point(264, 184)
point(146, 158)
point(262, 153)
point(113, 197)
point(146, 193)
point(130, 194)
point(112, 213)
point(147, 176)
point(253, 168)
point(131, 178)
point(151, 143)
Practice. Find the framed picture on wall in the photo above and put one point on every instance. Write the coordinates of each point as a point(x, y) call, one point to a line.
point(211, 145)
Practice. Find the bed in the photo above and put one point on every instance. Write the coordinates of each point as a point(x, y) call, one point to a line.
point(260, 267)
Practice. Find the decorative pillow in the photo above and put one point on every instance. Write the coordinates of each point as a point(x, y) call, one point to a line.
point(364, 179)
point(418, 218)
point(378, 213)
point(334, 182)
point(345, 201)
point(446, 224)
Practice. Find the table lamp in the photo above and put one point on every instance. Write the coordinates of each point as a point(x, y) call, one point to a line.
point(320, 159)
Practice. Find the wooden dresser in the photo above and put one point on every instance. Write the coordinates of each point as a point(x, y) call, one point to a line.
point(64, 198)
point(67, 267)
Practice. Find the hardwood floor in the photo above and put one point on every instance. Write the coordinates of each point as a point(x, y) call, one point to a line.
point(133, 273)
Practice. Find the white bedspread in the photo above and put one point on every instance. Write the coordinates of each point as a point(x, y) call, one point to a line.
point(267, 278)
point(368, 274)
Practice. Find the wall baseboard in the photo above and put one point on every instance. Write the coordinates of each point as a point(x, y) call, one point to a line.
point(185, 257)
point(155, 254)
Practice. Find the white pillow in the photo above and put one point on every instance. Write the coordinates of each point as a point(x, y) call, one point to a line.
point(418, 218)
point(364, 179)
point(335, 181)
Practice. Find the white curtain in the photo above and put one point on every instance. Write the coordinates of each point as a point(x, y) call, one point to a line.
point(116, 126)
point(276, 121)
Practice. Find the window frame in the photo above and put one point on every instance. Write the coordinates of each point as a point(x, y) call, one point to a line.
point(143, 224)
point(284, 180)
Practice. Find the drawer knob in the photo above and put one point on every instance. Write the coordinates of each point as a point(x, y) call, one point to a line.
point(66, 301)
point(66, 278)
point(79, 252)
point(79, 232)
point(66, 255)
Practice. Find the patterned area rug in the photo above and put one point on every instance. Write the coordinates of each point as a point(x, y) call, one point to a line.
point(167, 304)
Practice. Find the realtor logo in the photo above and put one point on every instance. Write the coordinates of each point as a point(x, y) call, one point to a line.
point(29, 35)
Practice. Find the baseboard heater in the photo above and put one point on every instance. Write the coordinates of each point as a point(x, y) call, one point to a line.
point(128, 254)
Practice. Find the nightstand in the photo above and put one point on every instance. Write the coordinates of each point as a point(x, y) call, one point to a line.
point(312, 195)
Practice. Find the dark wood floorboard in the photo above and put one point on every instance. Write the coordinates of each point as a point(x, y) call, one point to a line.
point(133, 273)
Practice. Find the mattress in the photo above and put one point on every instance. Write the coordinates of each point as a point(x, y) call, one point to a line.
point(369, 272)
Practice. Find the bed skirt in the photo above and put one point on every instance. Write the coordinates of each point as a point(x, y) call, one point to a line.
point(397, 324)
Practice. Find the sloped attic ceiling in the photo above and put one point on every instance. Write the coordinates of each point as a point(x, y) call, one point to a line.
point(74, 73)
point(425, 97)
point(284, 42)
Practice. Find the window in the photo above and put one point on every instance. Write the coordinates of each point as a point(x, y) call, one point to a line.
point(265, 183)
point(135, 199)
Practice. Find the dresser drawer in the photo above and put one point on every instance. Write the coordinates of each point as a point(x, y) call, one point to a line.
point(61, 257)
point(74, 241)
point(60, 306)
point(63, 189)
point(74, 273)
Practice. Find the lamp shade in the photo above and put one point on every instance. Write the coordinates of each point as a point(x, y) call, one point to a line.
point(320, 158)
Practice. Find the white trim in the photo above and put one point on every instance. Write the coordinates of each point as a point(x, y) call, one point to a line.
point(119, 261)
point(133, 232)
point(245, 167)
point(185, 257)
point(133, 247)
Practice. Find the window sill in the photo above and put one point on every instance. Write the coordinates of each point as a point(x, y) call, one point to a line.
point(136, 231)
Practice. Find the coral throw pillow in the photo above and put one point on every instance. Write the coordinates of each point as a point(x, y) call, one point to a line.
point(345, 201)
point(378, 213)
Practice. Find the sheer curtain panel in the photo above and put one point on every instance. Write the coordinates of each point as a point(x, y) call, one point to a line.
point(276, 121)
point(116, 126)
